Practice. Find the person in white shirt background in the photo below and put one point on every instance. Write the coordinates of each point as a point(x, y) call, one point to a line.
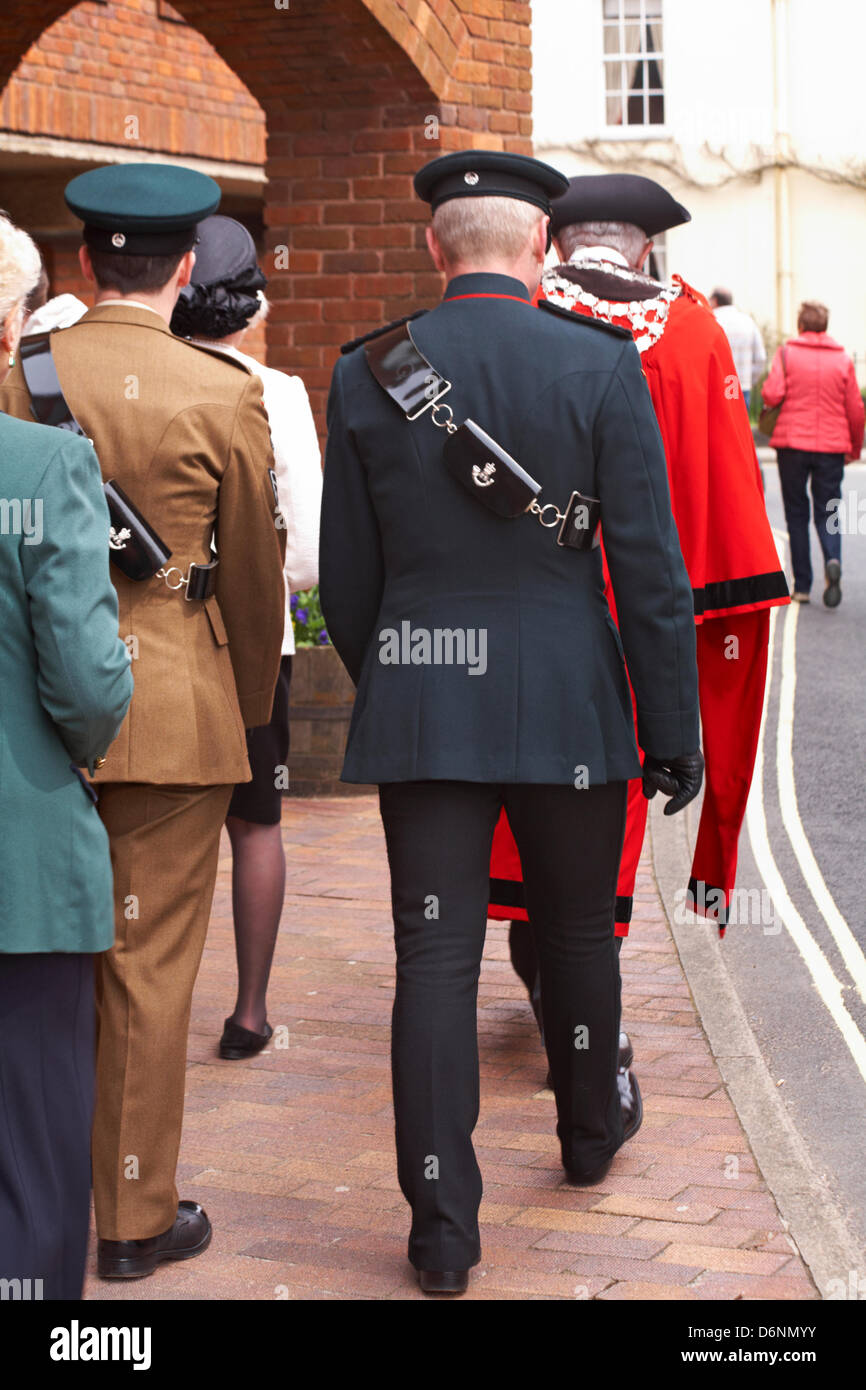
point(744, 336)
point(43, 313)
point(222, 303)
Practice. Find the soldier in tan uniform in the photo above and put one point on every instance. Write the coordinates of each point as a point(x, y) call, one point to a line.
point(183, 432)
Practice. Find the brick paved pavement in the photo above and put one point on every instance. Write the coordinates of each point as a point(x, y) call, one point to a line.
point(292, 1155)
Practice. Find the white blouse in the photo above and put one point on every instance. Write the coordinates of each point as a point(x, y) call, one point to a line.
point(298, 466)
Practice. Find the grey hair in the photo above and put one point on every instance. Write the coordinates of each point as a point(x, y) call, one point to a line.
point(20, 267)
point(472, 230)
point(624, 237)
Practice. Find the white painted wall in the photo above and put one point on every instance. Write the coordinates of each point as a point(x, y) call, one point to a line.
point(720, 125)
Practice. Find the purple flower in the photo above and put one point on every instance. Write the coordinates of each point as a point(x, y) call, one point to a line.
point(324, 639)
point(301, 616)
point(293, 602)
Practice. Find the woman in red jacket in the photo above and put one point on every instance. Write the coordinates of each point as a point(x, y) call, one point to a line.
point(819, 430)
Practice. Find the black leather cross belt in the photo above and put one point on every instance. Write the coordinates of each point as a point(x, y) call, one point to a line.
point(134, 546)
point(472, 456)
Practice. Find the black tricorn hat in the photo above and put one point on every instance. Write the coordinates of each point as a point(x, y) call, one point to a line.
point(618, 198)
point(491, 173)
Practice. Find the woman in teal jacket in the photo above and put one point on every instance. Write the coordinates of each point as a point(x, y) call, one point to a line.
point(65, 686)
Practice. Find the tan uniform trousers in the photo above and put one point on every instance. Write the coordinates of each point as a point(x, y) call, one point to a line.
point(164, 851)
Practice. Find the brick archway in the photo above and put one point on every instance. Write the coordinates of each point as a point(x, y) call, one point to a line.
point(357, 94)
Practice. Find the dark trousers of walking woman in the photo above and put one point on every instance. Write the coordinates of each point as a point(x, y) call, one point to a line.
point(439, 836)
point(47, 1025)
point(796, 468)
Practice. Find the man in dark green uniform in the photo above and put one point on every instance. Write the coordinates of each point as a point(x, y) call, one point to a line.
point(489, 672)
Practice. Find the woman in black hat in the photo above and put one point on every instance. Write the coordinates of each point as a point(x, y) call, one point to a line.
point(217, 309)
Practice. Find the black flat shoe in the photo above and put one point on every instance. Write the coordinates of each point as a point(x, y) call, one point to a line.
point(443, 1280)
point(632, 1114)
point(189, 1236)
point(237, 1042)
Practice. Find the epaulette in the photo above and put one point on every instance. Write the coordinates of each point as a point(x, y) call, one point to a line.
point(583, 318)
point(366, 337)
point(216, 352)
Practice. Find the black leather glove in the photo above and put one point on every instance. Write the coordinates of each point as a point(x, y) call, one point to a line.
point(679, 778)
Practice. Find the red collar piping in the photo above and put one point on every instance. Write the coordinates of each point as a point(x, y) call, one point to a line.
point(516, 297)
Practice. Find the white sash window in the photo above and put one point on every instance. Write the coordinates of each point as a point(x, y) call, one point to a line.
point(633, 63)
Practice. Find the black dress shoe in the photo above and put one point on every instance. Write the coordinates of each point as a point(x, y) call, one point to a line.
point(443, 1280)
point(632, 1115)
point(133, 1259)
point(237, 1042)
point(592, 1177)
point(624, 1061)
point(630, 1103)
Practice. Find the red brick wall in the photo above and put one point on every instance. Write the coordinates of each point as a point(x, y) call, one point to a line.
point(350, 90)
point(476, 55)
point(64, 272)
point(100, 65)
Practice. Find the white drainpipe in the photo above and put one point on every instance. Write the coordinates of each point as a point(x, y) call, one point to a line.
point(782, 155)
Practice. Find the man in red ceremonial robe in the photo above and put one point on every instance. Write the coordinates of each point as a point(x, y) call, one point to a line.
point(602, 229)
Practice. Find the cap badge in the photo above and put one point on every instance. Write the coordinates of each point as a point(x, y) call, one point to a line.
point(118, 240)
point(117, 539)
point(470, 177)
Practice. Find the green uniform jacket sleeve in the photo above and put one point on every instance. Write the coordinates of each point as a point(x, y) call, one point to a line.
point(351, 564)
point(655, 608)
point(84, 680)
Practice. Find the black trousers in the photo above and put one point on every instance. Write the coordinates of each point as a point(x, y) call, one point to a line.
point(524, 958)
point(439, 836)
point(47, 1063)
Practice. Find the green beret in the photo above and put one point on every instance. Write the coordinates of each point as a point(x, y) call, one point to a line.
point(142, 209)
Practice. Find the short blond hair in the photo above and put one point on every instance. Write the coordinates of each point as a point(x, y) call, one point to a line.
point(473, 230)
point(20, 267)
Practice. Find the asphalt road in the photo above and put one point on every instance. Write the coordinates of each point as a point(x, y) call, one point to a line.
point(812, 1055)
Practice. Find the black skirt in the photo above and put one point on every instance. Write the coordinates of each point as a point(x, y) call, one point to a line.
point(260, 800)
